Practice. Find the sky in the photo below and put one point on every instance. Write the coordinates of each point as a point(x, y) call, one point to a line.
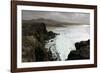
point(72, 17)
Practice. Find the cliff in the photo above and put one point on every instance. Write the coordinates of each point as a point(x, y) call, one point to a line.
point(34, 36)
point(82, 51)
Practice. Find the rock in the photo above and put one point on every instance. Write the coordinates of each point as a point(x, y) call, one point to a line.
point(33, 41)
point(34, 36)
point(39, 54)
point(53, 54)
point(82, 51)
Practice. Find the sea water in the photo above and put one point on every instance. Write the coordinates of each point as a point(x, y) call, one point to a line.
point(68, 36)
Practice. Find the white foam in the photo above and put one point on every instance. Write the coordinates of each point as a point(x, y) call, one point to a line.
point(69, 35)
point(64, 45)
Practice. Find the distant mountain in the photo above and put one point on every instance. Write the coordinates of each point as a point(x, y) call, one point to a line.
point(48, 22)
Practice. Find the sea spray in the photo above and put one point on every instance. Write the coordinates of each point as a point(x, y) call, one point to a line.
point(64, 45)
point(65, 42)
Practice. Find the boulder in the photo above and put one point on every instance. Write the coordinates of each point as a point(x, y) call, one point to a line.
point(82, 51)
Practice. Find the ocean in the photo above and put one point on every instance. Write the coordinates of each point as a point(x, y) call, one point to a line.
point(68, 36)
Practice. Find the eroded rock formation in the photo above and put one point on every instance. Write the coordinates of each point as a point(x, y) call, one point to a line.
point(34, 36)
point(82, 51)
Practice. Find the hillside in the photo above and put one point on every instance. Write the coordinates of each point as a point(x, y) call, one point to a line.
point(48, 22)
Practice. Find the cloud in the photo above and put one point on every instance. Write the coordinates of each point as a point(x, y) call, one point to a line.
point(73, 17)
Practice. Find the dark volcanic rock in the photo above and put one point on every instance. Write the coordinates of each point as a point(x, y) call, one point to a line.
point(33, 40)
point(39, 54)
point(34, 36)
point(82, 51)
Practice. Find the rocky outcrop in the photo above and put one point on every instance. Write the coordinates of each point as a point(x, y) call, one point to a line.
point(34, 36)
point(82, 51)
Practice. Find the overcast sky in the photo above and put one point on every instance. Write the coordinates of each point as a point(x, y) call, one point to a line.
point(73, 17)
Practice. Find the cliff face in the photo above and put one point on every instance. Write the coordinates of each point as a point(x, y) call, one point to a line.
point(33, 41)
point(82, 51)
point(34, 37)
